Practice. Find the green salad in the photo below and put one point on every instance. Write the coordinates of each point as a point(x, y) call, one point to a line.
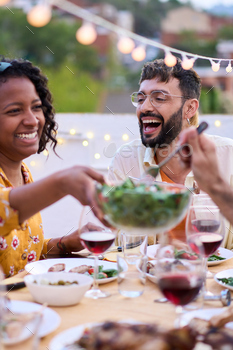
point(228, 281)
point(143, 205)
point(215, 258)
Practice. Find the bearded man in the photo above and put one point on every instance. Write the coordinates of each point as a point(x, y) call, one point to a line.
point(167, 102)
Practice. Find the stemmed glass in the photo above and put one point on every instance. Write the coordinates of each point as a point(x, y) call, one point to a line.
point(206, 224)
point(179, 272)
point(97, 239)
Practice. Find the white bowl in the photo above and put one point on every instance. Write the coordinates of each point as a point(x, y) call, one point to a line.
point(58, 295)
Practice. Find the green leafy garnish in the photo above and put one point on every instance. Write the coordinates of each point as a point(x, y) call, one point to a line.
point(215, 258)
point(228, 281)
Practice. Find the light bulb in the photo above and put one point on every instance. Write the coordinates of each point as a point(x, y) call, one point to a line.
point(125, 137)
point(46, 152)
point(125, 45)
point(215, 66)
point(72, 131)
point(107, 137)
point(39, 15)
point(97, 156)
point(60, 141)
point(32, 163)
point(86, 34)
point(229, 68)
point(90, 135)
point(139, 54)
point(187, 63)
point(217, 123)
point(4, 2)
point(85, 143)
point(170, 60)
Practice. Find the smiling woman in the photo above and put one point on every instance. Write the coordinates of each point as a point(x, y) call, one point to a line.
point(27, 125)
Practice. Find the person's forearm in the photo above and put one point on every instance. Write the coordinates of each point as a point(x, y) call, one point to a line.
point(222, 195)
point(63, 245)
point(30, 199)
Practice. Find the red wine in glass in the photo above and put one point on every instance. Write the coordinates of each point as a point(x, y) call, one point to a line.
point(180, 289)
point(97, 242)
point(210, 241)
point(206, 225)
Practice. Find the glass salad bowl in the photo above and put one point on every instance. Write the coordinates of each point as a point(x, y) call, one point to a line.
point(145, 207)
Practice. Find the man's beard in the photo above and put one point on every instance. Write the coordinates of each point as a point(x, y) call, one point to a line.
point(169, 130)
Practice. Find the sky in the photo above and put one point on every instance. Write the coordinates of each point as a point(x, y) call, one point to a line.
point(206, 4)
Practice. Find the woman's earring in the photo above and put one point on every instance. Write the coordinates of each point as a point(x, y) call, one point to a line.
point(188, 121)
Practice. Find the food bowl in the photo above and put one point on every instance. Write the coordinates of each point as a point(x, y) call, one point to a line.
point(145, 207)
point(58, 295)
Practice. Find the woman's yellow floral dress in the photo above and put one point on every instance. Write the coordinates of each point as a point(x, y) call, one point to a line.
point(19, 244)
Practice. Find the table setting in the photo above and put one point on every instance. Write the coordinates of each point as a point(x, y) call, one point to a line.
point(129, 294)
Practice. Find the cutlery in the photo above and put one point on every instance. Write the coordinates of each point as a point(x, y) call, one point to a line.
point(154, 170)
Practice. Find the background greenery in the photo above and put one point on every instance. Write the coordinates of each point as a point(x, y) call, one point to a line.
point(78, 75)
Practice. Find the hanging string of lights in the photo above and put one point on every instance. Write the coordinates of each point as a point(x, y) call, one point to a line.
point(41, 14)
point(125, 35)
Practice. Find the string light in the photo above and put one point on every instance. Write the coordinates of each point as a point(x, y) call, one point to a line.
point(39, 15)
point(125, 45)
point(85, 143)
point(229, 68)
point(60, 141)
point(86, 34)
point(4, 2)
point(215, 66)
point(45, 152)
point(125, 137)
point(90, 135)
point(187, 63)
point(139, 53)
point(170, 60)
point(97, 156)
point(107, 137)
point(217, 123)
point(72, 131)
point(32, 163)
point(86, 15)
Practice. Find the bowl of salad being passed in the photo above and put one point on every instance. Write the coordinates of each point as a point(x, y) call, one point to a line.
point(143, 207)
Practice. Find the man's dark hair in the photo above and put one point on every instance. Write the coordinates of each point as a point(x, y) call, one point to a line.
point(189, 81)
point(21, 68)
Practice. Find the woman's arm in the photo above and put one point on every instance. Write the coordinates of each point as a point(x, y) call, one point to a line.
point(76, 181)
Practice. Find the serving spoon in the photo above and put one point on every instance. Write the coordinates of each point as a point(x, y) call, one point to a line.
point(154, 170)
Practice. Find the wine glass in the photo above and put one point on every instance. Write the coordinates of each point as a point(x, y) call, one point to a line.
point(206, 224)
point(96, 238)
point(179, 272)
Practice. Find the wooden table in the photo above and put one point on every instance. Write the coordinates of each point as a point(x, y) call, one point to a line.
point(117, 307)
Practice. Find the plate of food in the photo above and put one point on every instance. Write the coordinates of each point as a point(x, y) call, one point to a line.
point(220, 256)
point(206, 314)
point(107, 270)
point(50, 321)
point(150, 270)
point(119, 336)
point(225, 278)
point(152, 251)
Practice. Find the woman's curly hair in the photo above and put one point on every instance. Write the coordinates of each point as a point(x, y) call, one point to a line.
point(22, 68)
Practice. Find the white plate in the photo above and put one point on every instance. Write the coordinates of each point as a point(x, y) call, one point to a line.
point(149, 276)
point(224, 253)
point(152, 250)
point(72, 334)
point(223, 274)
point(51, 319)
point(42, 266)
point(205, 314)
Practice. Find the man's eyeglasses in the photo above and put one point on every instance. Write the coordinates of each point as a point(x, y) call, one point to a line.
point(4, 65)
point(157, 98)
